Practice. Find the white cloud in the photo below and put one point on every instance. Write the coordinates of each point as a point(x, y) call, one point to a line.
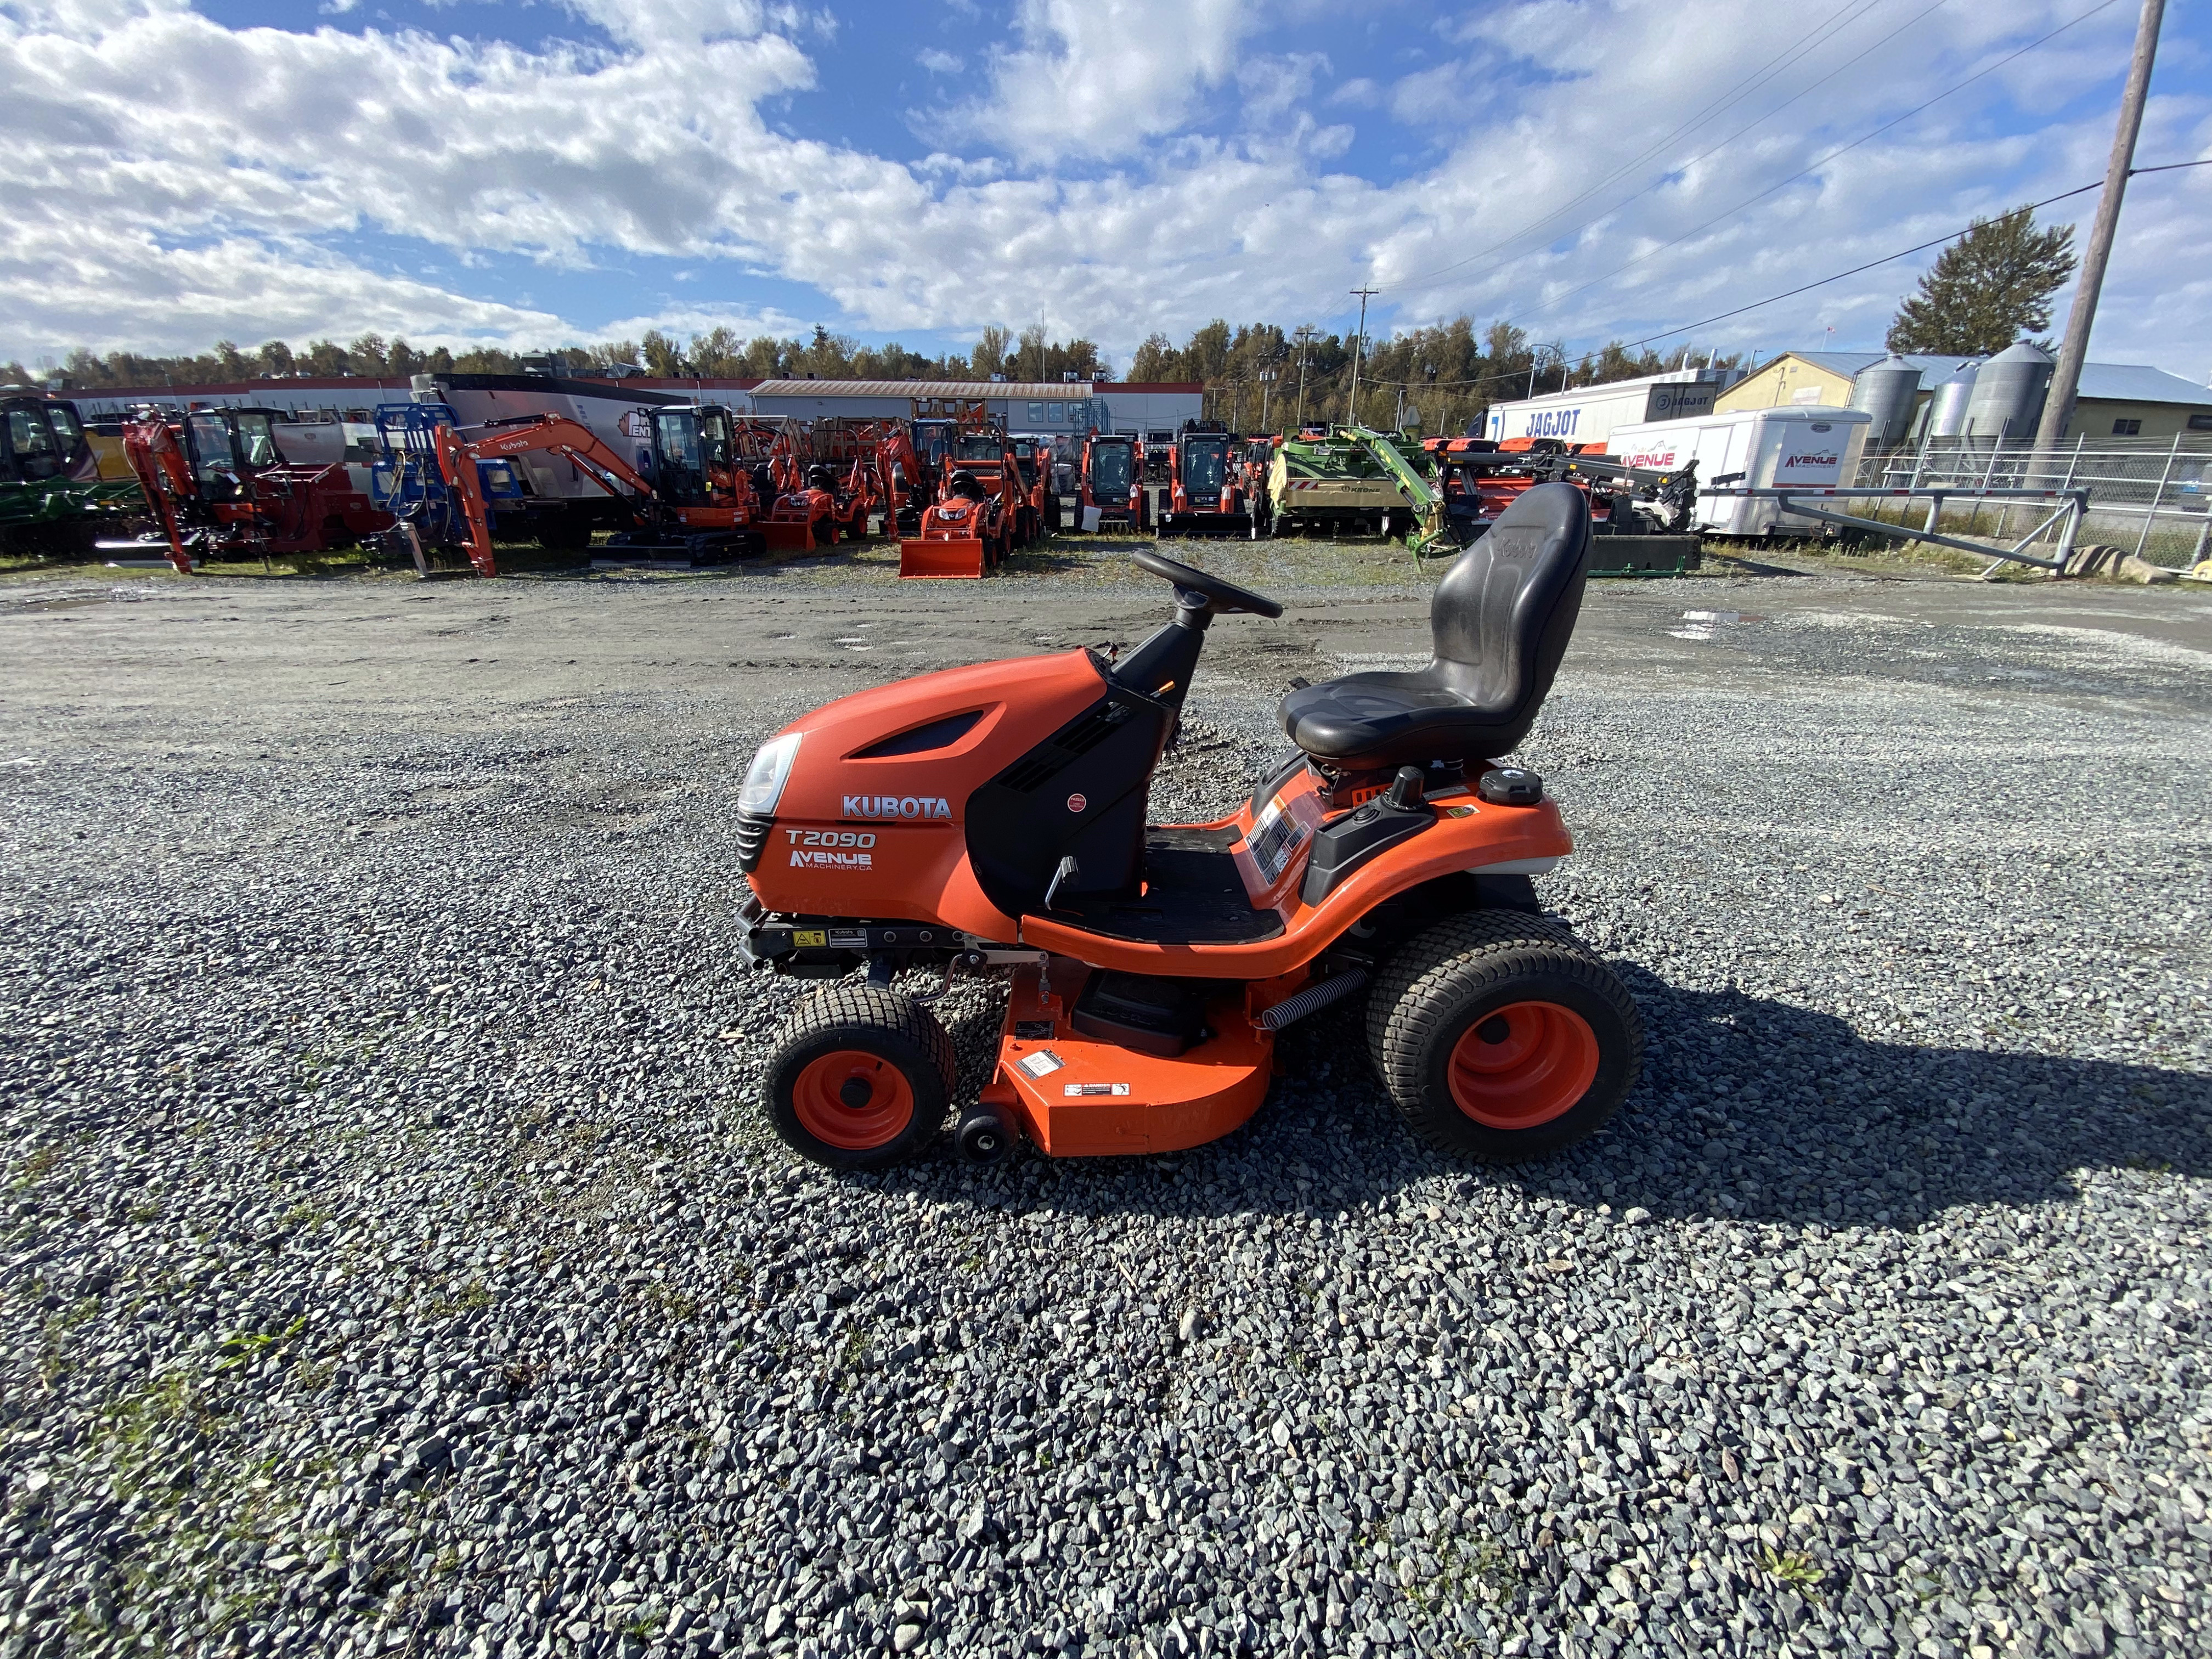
point(939, 63)
point(1102, 77)
point(172, 180)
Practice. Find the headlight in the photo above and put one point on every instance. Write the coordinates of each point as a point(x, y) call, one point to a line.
point(765, 779)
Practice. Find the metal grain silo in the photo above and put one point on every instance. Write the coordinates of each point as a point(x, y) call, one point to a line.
point(1947, 418)
point(2008, 393)
point(1887, 391)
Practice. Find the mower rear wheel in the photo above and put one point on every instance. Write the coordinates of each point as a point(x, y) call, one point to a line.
point(859, 1076)
point(1499, 1037)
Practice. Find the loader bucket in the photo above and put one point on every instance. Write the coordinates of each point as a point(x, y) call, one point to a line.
point(789, 537)
point(942, 557)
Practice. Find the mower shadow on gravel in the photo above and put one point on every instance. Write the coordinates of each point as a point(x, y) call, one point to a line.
point(1750, 1109)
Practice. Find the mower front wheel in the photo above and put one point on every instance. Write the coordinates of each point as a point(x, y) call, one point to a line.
point(1500, 1037)
point(859, 1078)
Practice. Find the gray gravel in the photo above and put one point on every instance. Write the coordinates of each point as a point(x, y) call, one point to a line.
point(393, 1259)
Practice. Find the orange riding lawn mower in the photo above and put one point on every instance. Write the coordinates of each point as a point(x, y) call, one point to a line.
point(218, 487)
point(993, 819)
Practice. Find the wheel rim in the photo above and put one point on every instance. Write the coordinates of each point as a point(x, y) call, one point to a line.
point(819, 1100)
point(1523, 1065)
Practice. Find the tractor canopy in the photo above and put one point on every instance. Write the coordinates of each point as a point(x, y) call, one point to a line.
point(1112, 467)
point(1205, 461)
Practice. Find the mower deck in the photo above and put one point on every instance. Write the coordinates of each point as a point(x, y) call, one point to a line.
point(1077, 1096)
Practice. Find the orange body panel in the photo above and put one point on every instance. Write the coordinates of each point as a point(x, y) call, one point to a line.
point(886, 838)
point(1077, 1096)
point(913, 806)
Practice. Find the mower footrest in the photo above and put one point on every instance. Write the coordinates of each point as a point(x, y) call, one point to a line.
point(937, 556)
point(1076, 1096)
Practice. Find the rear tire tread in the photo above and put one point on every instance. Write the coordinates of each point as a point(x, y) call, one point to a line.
point(1432, 977)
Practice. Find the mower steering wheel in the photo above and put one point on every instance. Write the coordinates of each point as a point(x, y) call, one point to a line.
point(1221, 596)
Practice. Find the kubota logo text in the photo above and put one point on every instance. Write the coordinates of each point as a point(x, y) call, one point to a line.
point(896, 806)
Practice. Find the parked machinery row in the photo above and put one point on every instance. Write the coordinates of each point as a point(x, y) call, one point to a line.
point(693, 483)
point(1439, 494)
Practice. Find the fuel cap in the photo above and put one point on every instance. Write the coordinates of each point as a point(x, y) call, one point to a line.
point(1510, 786)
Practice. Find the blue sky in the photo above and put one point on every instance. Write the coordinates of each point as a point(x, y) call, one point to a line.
point(538, 171)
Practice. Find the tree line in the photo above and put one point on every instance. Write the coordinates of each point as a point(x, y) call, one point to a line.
point(1260, 378)
point(718, 354)
point(1987, 288)
point(1441, 378)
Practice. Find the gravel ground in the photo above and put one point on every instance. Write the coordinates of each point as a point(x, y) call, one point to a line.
point(394, 1259)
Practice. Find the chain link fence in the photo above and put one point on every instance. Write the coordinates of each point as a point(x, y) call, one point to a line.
point(2152, 497)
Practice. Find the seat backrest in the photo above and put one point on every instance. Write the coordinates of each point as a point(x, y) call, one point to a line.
point(1504, 612)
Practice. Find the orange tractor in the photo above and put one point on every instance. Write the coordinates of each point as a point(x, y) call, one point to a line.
point(1206, 493)
point(218, 486)
point(1113, 483)
point(979, 514)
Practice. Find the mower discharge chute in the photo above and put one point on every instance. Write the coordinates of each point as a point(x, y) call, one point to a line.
point(994, 818)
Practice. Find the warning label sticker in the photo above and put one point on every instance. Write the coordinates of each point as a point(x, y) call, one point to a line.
point(1277, 835)
point(1072, 1090)
point(1042, 1063)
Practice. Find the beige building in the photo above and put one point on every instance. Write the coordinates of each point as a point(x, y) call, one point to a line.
point(2116, 400)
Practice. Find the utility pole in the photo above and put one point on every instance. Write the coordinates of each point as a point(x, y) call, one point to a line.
point(1267, 383)
point(1359, 348)
point(2066, 376)
point(1304, 337)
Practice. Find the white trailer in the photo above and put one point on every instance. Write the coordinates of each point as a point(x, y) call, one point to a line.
point(1791, 445)
point(1588, 415)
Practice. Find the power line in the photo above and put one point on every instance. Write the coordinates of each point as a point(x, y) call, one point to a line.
point(1823, 161)
point(2174, 166)
point(1808, 288)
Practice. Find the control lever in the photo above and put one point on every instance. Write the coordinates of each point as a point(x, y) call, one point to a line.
point(1069, 871)
point(1406, 791)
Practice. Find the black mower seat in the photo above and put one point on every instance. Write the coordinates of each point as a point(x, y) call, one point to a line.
point(1500, 619)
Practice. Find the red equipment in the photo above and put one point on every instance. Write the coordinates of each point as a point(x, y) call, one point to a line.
point(723, 525)
point(1207, 494)
point(806, 517)
point(218, 486)
point(882, 474)
point(1039, 511)
point(994, 817)
point(976, 518)
point(1114, 481)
